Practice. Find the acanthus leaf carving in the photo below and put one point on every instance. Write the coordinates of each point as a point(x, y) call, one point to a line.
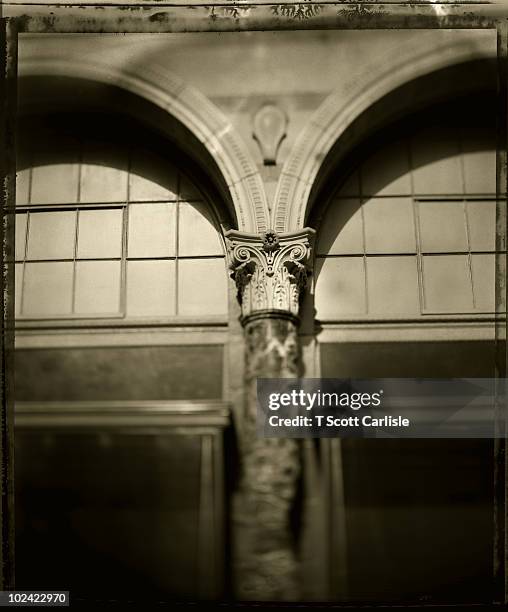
point(242, 277)
point(271, 270)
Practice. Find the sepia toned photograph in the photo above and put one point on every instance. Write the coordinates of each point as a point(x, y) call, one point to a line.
point(198, 197)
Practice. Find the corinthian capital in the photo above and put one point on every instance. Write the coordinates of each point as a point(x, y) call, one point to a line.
point(270, 270)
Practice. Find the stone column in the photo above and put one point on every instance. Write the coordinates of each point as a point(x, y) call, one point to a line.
point(271, 273)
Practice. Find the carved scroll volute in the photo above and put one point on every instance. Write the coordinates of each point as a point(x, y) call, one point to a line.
point(270, 270)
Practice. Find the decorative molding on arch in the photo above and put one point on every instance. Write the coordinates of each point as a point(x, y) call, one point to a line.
point(348, 102)
point(186, 104)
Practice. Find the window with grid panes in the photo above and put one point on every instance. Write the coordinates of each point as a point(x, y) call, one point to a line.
point(411, 233)
point(113, 232)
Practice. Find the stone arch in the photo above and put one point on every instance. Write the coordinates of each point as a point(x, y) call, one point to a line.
point(169, 93)
point(329, 125)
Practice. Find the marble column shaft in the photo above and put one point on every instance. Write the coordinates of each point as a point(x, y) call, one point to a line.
point(271, 274)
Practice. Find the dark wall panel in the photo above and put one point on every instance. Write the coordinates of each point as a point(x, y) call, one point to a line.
point(124, 373)
point(408, 359)
point(419, 513)
point(107, 515)
point(419, 519)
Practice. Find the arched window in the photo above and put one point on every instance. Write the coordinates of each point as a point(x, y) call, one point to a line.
point(411, 233)
point(108, 227)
